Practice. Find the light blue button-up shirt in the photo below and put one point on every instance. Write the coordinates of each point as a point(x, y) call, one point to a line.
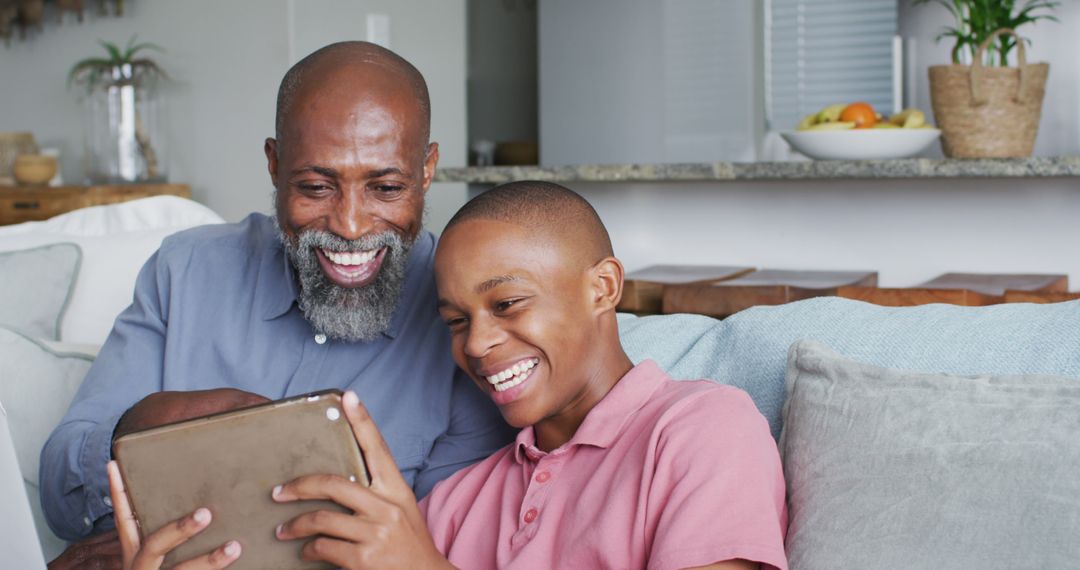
point(216, 307)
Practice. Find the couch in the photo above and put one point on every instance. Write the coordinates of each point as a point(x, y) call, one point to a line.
point(64, 281)
point(934, 436)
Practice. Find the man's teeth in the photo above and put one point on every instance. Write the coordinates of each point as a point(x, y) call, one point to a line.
point(350, 257)
point(512, 376)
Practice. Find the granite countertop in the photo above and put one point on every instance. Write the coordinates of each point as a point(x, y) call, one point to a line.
point(1059, 166)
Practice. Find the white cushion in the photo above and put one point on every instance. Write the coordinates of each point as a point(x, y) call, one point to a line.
point(116, 241)
point(37, 287)
point(39, 381)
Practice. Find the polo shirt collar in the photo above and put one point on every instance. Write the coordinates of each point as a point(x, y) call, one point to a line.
point(608, 418)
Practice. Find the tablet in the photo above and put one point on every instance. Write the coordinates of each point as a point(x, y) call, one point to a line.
point(229, 463)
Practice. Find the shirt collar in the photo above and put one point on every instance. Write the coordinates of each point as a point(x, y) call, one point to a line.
point(279, 291)
point(276, 288)
point(608, 418)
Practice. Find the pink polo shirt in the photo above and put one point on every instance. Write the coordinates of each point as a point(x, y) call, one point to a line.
point(661, 474)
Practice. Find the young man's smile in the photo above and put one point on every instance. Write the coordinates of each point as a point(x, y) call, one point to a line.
point(509, 382)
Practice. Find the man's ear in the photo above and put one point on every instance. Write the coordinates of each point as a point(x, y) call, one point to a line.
point(431, 160)
point(607, 284)
point(271, 151)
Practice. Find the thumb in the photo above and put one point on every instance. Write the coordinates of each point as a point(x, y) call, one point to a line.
point(126, 525)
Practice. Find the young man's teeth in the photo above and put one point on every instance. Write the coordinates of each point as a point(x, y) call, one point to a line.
point(350, 257)
point(512, 376)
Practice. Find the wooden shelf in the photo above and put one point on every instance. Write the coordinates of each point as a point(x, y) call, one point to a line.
point(32, 203)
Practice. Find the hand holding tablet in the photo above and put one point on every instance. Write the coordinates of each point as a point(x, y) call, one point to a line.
point(228, 464)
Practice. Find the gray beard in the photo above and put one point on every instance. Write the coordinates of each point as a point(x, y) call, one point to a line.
point(351, 315)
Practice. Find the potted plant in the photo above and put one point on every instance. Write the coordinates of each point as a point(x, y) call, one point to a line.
point(122, 130)
point(988, 108)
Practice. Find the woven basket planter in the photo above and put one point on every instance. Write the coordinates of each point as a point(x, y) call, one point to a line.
point(988, 112)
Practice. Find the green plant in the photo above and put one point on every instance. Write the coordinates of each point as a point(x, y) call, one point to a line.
point(120, 64)
point(122, 72)
point(977, 19)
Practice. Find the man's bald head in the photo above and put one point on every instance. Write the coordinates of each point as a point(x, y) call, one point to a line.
point(381, 64)
point(548, 209)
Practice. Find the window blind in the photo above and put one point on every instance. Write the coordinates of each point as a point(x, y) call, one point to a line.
point(825, 52)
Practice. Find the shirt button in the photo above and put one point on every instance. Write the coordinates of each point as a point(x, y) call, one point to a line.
point(543, 476)
point(107, 501)
point(86, 521)
point(320, 338)
point(530, 515)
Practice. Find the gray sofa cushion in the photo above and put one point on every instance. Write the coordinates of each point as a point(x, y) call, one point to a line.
point(36, 287)
point(749, 349)
point(891, 469)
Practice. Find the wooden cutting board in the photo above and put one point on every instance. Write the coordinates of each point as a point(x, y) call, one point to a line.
point(643, 289)
point(764, 287)
point(968, 289)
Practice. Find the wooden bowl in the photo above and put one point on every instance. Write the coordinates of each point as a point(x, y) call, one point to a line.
point(34, 169)
point(12, 145)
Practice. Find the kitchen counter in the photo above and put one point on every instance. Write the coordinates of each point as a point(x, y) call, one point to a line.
point(912, 168)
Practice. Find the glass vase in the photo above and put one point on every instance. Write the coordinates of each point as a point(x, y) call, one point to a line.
point(125, 140)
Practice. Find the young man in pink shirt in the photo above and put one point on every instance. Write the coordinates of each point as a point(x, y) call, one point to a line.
point(618, 466)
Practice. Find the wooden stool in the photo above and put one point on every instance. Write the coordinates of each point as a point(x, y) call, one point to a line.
point(764, 287)
point(967, 289)
point(1039, 296)
point(643, 290)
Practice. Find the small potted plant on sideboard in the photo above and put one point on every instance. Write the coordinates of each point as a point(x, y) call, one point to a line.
point(124, 134)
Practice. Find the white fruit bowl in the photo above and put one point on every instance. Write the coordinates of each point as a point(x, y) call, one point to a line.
point(861, 144)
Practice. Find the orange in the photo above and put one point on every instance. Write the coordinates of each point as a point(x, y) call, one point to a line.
point(862, 114)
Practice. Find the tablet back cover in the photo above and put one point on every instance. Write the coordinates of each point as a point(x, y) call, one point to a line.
point(230, 463)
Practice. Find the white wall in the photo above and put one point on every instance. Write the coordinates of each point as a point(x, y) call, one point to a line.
point(226, 59)
point(908, 230)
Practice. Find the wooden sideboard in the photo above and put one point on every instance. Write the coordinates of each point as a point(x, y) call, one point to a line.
point(31, 203)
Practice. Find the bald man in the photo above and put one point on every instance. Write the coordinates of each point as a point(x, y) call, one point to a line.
point(335, 291)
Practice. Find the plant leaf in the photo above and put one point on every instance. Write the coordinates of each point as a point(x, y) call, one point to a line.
point(114, 52)
point(92, 64)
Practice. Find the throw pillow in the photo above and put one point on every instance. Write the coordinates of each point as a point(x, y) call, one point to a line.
point(116, 241)
point(893, 469)
point(37, 287)
point(39, 381)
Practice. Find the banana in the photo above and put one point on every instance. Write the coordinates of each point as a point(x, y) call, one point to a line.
point(885, 126)
point(807, 122)
point(909, 119)
point(830, 114)
point(833, 126)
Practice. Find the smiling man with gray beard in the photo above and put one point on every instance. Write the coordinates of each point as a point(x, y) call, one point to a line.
point(335, 291)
